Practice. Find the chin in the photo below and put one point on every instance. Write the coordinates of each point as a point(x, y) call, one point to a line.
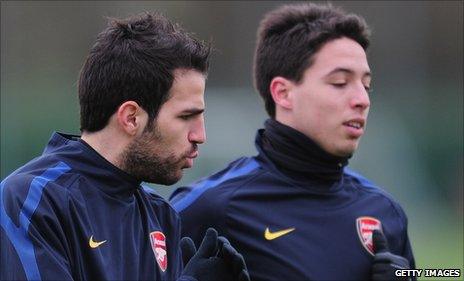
point(175, 178)
point(342, 153)
point(346, 151)
point(349, 151)
point(167, 179)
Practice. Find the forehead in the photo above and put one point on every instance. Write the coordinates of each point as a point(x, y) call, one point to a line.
point(187, 89)
point(340, 53)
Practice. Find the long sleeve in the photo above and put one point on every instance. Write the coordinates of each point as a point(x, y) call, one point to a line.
point(32, 238)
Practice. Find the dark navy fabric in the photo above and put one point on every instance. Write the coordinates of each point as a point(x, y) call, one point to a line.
point(251, 194)
point(51, 207)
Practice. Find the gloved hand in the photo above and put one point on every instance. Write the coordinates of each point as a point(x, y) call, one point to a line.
point(385, 263)
point(188, 249)
point(234, 259)
point(215, 259)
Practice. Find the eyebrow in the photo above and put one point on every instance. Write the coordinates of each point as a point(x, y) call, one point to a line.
point(193, 110)
point(348, 71)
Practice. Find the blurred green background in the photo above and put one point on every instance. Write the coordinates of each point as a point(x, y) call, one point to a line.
point(414, 141)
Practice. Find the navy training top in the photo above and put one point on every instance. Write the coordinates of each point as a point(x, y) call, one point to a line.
point(291, 228)
point(70, 214)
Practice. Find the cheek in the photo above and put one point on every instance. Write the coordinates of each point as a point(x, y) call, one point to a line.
point(314, 112)
point(322, 119)
point(175, 136)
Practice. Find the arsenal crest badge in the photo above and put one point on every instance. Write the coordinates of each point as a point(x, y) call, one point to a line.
point(158, 244)
point(365, 227)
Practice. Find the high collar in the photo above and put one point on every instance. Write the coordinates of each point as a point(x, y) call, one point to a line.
point(88, 162)
point(296, 155)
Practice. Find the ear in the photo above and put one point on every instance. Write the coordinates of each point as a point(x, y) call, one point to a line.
point(280, 90)
point(131, 117)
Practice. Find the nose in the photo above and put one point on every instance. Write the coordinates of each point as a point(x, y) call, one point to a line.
point(360, 98)
point(197, 132)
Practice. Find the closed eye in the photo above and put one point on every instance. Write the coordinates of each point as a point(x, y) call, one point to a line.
point(186, 117)
point(191, 113)
point(338, 85)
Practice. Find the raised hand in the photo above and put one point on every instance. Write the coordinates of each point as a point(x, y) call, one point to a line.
point(385, 263)
point(215, 259)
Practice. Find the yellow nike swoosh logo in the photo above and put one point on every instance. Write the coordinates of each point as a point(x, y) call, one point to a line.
point(273, 235)
point(94, 244)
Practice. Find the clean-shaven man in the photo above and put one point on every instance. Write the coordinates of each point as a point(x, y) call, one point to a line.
point(295, 211)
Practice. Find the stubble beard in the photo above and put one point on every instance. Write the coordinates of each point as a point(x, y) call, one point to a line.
point(151, 164)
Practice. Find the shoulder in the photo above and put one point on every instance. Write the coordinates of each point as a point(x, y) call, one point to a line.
point(374, 191)
point(37, 187)
point(218, 186)
point(37, 175)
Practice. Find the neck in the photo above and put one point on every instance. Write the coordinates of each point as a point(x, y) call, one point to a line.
point(107, 144)
point(297, 155)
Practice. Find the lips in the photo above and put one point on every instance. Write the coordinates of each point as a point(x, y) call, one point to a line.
point(355, 127)
point(357, 123)
point(193, 155)
point(190, 157)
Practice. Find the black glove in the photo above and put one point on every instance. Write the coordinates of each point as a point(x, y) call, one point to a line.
point(188, 249)
point(235, 259)
point(215, 259)
point(385, 263)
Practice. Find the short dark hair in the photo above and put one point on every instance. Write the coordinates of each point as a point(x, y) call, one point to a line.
point(134, 59)
point(289, 36)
